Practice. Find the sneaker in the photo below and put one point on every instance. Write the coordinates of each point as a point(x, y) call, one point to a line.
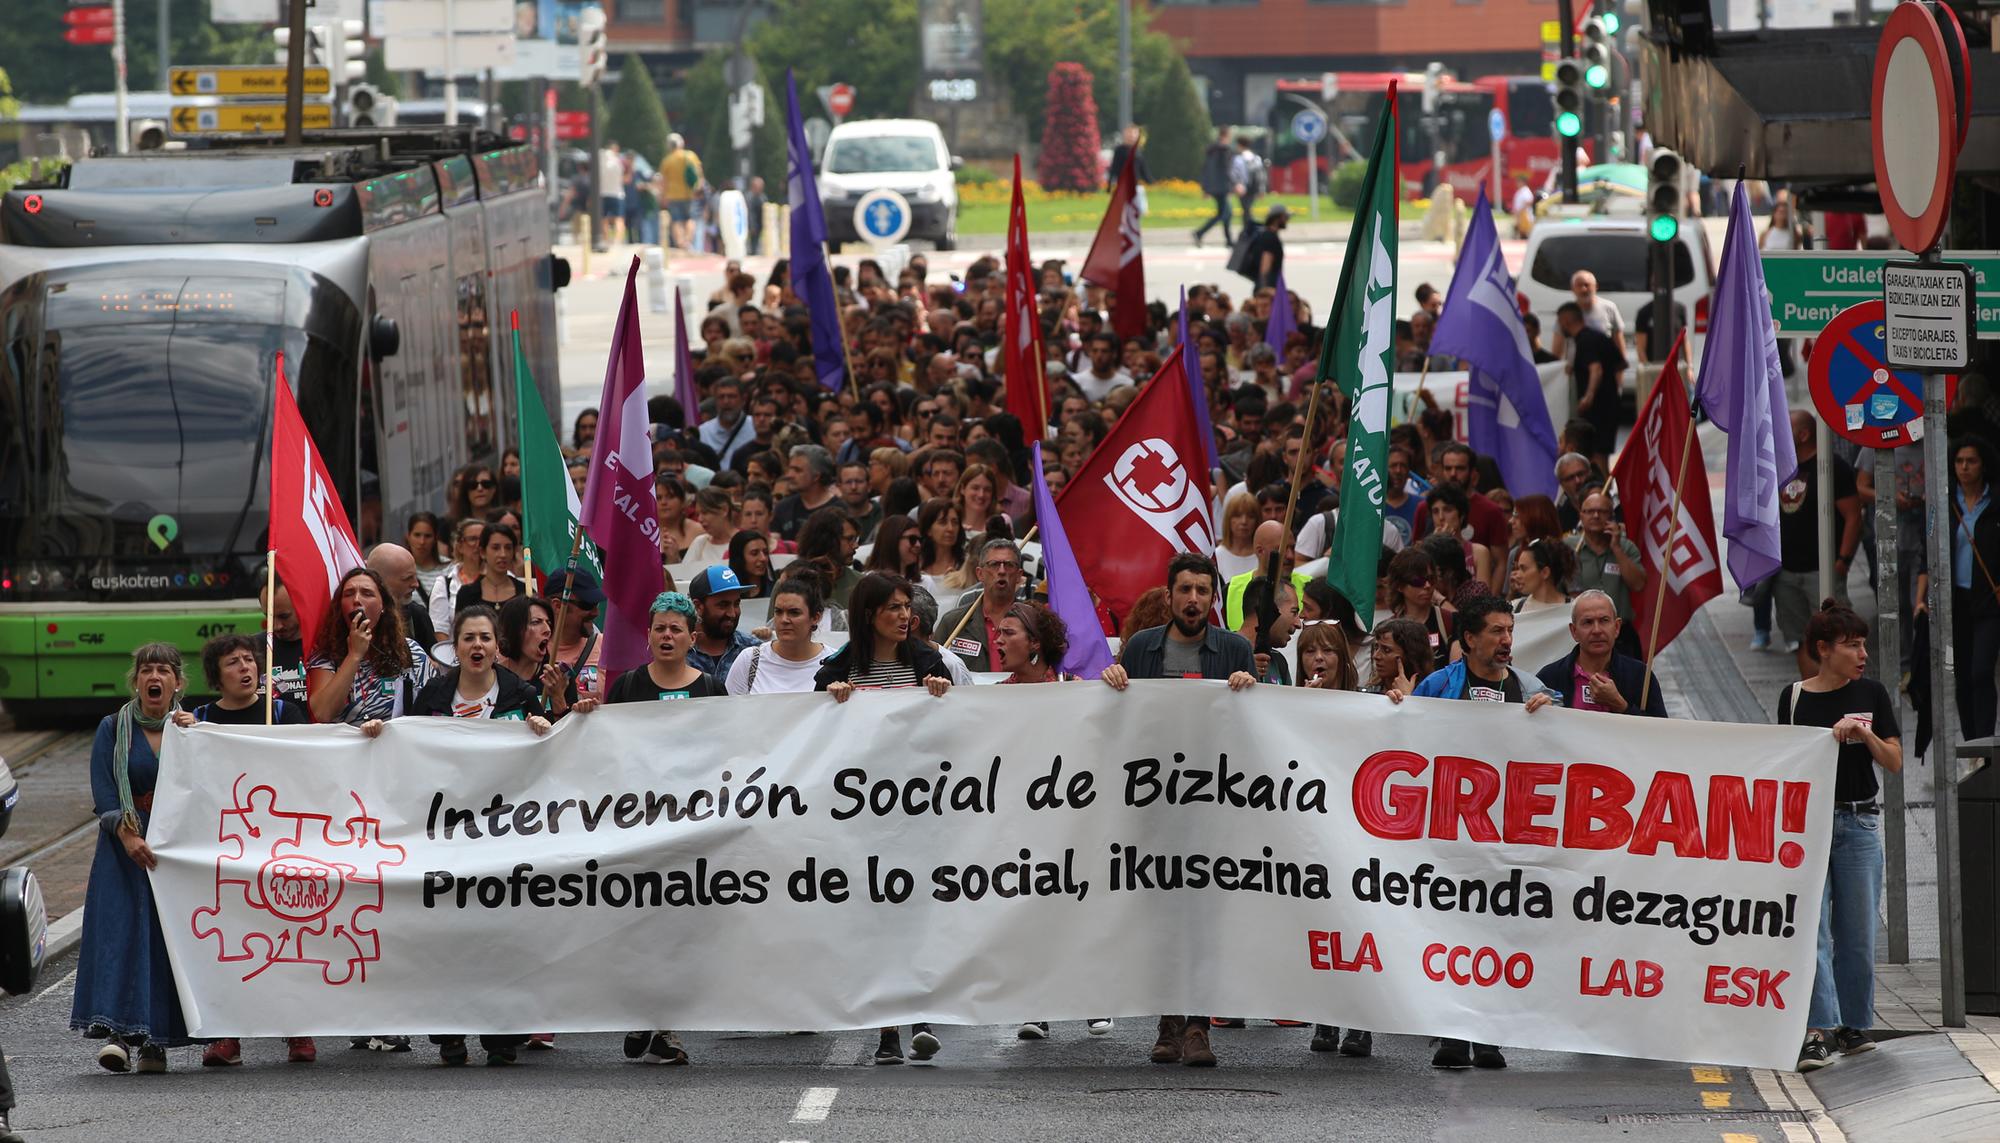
point(114, 1057)
point(890, 1049)
point(389, 1044)
point(223, 1054)
point(7, 1132)
point(635, 1044)
point(300, 1050)
point(1760, 640)
point(1851, 1041)
point(1358, 1044)
point(1326, 1038)
point(923, 1042)
point(360, 1043)
point(1167, 1049)
point(500, 1056)
point(1791, 646)
point(542, 1042)
point(1197, 240)
point(1033, 1030)
point(452, 1052)
point(1452, 1054)
point(152, 1060)
point(1815, 1053)
point(1195, 1049)
point(1225, 1021)
point(664, 1048)
point(1487, 1056)
point(1100, 1026)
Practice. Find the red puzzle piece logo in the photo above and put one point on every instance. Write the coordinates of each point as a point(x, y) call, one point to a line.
point(300, 888)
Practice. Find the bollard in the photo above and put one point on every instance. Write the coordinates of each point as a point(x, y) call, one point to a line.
point(656, 279)
point(768, 239)
point(683, 285)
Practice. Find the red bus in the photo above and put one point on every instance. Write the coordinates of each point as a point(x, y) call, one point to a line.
point(1527, 150)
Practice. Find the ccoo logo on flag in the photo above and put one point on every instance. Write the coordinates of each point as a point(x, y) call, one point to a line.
point(1149, 479)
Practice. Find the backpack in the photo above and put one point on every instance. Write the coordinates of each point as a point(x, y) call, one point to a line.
point(1241, 261)
point(1260, 176)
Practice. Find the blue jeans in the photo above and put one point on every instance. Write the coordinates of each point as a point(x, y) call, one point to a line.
point(1221, 215)
point(1843, 992)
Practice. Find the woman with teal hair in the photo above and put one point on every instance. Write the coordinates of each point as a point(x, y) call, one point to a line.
point(669, 675)
point(124, 983)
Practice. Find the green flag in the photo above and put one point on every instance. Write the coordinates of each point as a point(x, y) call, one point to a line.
point(549, 507)
point(1359, 353)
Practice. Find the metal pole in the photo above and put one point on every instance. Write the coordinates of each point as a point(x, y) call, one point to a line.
point(1124, 64)
point(1823, 474)
point(450, 71)
point(166, 41)
point(547, 99)
point(1312, 179)
point(1888, 663)
point(1944, 729)
point(121, 121)
point(596, 164)
point(295, 70)
point(1566, 16)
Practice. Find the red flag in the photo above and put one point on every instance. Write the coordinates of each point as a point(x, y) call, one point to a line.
point(1027, 377)
point(1680, 560)
point(1143, 495)
point(1115, 262)
point(312, 543)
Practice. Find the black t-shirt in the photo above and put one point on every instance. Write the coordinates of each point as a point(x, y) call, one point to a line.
point(473, 593)
point(1642, 325)
point(1594, 348)
point(283, 713)
point(1266, 241)
point(1798, 514)
point(637, 685)
point(1487, 690)
point(288, 661)
point(1863, 699)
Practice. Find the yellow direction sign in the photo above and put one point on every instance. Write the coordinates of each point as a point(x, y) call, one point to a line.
point(243, 81)
point(245, 118)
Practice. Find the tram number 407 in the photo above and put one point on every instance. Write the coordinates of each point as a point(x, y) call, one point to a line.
point(208, 630)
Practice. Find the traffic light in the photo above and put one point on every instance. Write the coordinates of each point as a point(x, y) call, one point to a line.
point(591, 47)
point(1569, 98)
point(1596, 57)
point(148, 134)
point(368, 107)
point(1664, 198)
point(348, 52)
point(316, 40)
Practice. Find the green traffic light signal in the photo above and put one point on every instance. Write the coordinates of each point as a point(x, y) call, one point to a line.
point(1664, 228)
point(1610, 22)
point(1597, 76)
point(1569, 124)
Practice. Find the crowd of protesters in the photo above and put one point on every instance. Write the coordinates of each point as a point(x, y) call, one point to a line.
point(895, 510)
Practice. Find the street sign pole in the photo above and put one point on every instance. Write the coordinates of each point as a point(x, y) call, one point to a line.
point(121, 121)
point(295, 67)
point(1944, 732)
point(1312, 178)
point(1566, 16)
point(1888, 670)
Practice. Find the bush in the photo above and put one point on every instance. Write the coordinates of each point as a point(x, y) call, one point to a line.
point(636, 119)
point(1069, 132)
point(1345, 185)
point(972, 176)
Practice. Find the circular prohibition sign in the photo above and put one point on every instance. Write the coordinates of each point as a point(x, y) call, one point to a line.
point(1855, 392)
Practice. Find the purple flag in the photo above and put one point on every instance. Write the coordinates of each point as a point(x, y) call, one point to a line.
point(1743, 390)
point(1192, 360)
point(1507, 418)
point(684, 390)
point(1280, 325)
point(810, 276)
point(1089, 653)
point(618, 509)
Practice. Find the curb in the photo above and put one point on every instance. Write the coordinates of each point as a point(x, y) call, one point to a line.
point(65, 933)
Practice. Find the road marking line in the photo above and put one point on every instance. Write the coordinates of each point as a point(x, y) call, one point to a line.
point(1710, 1075)
point(815, 1104)
point(1738, 1137)
point(1714, 1100)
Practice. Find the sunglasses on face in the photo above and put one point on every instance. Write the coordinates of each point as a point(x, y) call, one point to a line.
point(484, 482)
point(1416, 583)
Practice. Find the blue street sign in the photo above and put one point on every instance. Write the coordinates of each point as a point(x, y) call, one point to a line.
point(1855, 391)
point(1496, 125)
point(882, 218)
point(1308, 126)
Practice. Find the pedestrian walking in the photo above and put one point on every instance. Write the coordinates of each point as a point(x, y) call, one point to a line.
point(1862, 715)
point(1217, 183)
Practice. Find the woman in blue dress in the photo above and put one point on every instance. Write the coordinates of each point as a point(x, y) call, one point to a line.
point(124, 984)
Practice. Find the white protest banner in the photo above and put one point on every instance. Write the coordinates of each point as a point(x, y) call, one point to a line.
point(1043, 852)
point(1452, 392)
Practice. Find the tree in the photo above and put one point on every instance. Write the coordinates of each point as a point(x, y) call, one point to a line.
point(388, 82)
point(870, 44)
point(47, 70)
point(636, 119)
point(1029, 37)
point(1177, 126)
point(1069, 134)
point(708, 131)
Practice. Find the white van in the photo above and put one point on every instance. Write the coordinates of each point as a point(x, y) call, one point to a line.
point(908, 156)
point(1619, 252)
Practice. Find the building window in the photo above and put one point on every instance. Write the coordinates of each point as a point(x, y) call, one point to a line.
point(641, 12)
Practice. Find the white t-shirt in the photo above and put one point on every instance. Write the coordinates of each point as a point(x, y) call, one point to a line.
point(776, 675)
point(1313, 540)
point(1232, 565)
point(1094, 387)
point(706, 551)
point(481, 707)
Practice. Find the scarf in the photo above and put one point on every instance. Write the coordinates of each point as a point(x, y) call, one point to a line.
point(121, 754)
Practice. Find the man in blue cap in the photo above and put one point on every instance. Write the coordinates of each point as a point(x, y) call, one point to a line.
point(718, 596)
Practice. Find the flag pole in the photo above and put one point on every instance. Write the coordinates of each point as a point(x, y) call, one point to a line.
point(1673, 534)
point(569, 585)
point(270, 633)
point(1298, 476)
point(967, 617)
point(846, 350)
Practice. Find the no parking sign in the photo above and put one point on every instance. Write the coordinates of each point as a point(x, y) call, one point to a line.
point(1853, 388)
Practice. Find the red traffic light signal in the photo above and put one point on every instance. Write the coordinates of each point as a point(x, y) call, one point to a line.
point(83, 37)
point(91, 17)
